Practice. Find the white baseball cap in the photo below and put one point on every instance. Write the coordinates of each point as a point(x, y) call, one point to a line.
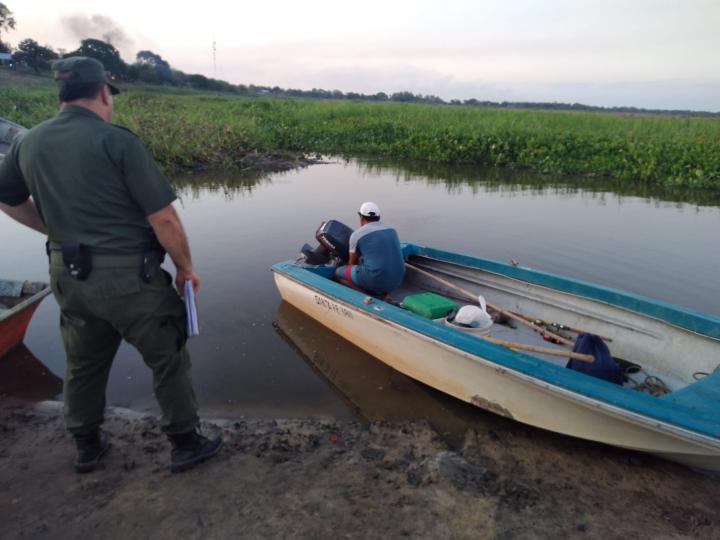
point(369, 209)
point(473, 316)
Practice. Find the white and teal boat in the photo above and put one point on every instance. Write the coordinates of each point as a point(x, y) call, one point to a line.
point(677, 349)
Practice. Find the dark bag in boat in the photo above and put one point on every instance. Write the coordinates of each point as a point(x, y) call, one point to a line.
point(604, 367)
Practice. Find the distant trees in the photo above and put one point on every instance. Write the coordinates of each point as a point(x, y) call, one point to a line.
point(7, 22)
point(201, 82)
point(152, 66)
point(105, 52)
point(197, 81)
point(150, 58)
point(403, 97)
point(142, 73)
point(178, 77)
point(34, 55)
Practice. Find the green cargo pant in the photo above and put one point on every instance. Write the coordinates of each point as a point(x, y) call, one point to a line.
point(112, 304)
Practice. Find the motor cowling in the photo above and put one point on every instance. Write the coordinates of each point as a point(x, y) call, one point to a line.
point(334, 240)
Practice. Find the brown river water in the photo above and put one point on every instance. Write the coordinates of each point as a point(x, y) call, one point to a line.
point(258, 357)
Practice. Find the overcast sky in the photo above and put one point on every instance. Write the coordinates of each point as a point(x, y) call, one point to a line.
point(644, 53)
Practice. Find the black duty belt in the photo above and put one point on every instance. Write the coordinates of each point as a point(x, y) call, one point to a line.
point(103, 260)
point(80, 260)
point(56, 246)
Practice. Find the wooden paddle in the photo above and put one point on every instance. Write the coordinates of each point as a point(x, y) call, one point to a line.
point(542, 350)
point(560, 326)
point(509, 314)
point(510, 344)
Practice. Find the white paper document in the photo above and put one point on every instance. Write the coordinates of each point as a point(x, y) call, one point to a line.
point(192, 319)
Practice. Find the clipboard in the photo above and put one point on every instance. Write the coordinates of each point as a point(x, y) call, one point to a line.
point(191, 310)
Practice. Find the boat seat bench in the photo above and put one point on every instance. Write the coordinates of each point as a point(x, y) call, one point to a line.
point(701, 397)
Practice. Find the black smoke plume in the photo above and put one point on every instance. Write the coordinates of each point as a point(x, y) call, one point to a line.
point(98, 27)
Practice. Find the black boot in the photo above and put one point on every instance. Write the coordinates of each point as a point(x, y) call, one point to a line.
point(191, 448)
point(90, 449)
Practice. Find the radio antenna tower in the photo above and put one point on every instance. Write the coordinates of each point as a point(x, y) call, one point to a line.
point(214, 59)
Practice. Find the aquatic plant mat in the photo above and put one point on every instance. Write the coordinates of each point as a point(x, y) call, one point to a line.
point(186, 129)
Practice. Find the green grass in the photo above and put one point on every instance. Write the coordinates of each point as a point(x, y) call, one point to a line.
point(187, 129)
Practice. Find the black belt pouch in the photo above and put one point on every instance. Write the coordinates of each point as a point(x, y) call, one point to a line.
point(153, 257)
point(77, 259)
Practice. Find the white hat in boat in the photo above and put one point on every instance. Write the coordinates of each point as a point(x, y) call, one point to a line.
point(473, 316)
point(369, 209)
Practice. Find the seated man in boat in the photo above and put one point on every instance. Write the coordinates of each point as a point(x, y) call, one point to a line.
point(376, 263)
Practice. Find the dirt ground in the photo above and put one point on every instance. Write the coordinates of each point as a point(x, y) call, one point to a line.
point(319, 479)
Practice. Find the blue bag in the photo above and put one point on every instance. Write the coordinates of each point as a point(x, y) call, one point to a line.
point(604, 367)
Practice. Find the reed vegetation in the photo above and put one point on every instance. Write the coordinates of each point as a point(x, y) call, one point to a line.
point(190, 130)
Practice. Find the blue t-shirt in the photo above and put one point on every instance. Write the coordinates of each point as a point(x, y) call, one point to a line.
point(382, 267)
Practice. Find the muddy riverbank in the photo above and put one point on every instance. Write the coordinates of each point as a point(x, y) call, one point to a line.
point(341, 479)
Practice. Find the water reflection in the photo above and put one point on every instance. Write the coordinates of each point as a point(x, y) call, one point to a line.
point(239, 225)
point(24, 376)
point(458, 178)
point(373, 389)
point(228, 182)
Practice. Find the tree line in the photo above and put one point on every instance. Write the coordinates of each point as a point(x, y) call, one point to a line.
point(151, 68)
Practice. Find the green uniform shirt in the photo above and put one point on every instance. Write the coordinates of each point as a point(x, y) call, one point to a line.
point(93, 182)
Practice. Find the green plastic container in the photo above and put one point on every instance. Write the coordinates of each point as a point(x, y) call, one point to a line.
point(430, 305)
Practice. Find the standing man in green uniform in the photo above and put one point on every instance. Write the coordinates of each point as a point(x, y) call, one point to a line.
point(96, 191)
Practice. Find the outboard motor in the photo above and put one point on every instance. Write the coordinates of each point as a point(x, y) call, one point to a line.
point(334, 239)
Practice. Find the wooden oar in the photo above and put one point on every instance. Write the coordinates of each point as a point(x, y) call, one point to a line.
point(560, 326)
point(508, 314)
point(510, 344)
point(542, 350)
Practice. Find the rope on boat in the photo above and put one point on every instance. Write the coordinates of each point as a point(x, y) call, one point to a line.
point(652, 384)
point(702, 374)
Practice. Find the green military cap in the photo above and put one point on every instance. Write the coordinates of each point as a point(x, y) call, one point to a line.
point(82, 70)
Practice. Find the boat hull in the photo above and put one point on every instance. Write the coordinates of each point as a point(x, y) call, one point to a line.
point(12, 330)
point(24, 376)
point(8, 131)
point(15, 320)
point(486, 384)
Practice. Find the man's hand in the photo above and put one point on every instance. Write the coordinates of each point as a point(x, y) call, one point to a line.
point(184, 275)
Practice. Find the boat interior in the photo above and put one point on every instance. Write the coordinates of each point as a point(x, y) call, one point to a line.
point(656, 357)
point(13, 293)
